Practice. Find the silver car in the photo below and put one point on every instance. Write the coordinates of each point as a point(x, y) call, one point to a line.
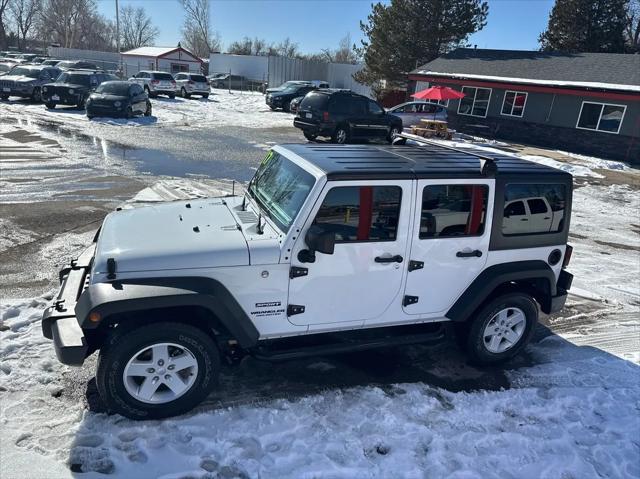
point(192, 84)
point(156, 83)
point(413, 111)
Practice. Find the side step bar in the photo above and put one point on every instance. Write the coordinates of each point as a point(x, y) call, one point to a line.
point(348, 346)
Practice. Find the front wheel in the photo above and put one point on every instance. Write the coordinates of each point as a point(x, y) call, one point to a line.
point(341, 135)
point(394, 131)
point(501, 329)
point(155, 371)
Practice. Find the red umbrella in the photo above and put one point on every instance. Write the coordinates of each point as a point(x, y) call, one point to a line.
point(438, 93)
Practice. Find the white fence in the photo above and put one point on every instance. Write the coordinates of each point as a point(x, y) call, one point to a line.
point(105, 60)
point(277, 70)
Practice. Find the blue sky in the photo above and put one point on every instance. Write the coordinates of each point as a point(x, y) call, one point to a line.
point(512, 24)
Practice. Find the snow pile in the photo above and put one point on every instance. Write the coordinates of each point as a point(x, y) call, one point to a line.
point(243, 109)
point(573, 414)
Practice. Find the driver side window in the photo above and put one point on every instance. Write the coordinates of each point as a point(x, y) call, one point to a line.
point(361, 213)
point(374, 108)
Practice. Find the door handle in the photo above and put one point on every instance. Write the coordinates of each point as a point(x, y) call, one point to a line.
point(469, 254)
point(389, 259)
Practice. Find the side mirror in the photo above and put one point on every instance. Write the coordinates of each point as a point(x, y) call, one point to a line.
point(318, 240)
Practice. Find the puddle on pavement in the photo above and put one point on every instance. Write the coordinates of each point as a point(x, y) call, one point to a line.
point(124, 159)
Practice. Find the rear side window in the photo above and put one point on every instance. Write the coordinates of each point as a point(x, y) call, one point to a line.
point(533, 209)
point(453, 211)
point(316, 101)
point(361, 213)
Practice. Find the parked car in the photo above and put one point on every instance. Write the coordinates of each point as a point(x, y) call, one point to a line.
point(51, 62)
point(286, 85)
point(344, 116)
point(341, 247)
point(118, 99)
point(412, 112)
point(73, 87)
point(192, 84)
point(26, 81)
point(156, 83)
point(235, 82)
point(28, 57)
point(282, 99)
point(76, 65)
point(38, 60)
point(295, 104)
point(5, 67)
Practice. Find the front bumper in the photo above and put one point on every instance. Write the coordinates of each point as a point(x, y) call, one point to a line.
point(62, 98)
point(106, 111)
point(59, 321)
point(21, 92)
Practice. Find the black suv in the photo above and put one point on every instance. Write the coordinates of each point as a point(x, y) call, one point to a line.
point(73, 87)
point(282, 98)
point(344, 116)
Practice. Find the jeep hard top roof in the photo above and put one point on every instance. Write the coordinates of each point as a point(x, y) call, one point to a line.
point(428, 160)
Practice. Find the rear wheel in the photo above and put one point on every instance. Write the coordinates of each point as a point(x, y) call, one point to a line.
point(501, 329)
point(155, 371)
point(50, 105)
point(184, 94)
point(36, 95)
point(341, 135)
point(147, 112)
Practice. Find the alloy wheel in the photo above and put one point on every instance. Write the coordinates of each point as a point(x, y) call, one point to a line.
point(160, 373)
point(504, 330)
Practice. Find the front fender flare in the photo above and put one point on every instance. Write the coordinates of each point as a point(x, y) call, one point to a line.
point(133, 295)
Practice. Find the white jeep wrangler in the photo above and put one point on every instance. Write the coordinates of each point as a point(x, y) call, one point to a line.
point(331, 249)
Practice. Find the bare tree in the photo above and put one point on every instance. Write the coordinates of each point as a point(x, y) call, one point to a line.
point(345, 53)
point(4, 10)
point(287, 48)
point(632, 27)
point(247, 46)
point(196, 32)
point(136, 28)
point(25, 14)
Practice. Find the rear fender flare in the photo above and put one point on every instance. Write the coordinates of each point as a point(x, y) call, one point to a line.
point(538, 276)
point(134, 295)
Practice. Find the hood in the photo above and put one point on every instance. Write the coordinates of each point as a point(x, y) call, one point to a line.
point(102, 96)
point(171, 236)
point(19, 78)
point(67, 85)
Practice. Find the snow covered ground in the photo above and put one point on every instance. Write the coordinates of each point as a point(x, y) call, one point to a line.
point(242, 109)
point(569, 409)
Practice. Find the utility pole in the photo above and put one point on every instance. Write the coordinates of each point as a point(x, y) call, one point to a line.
point(118, 36)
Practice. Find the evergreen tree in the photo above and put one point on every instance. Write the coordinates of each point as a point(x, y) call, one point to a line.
point(586, 26)
point(409, 33)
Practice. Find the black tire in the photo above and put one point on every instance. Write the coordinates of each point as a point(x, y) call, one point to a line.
point(184, 94)
point(129, 113)
point(205, 96)
point(4, 97)
point(36, 95)
point(123, 345)
point(173, 95)
point(82, 103)
point(394, 130)
point(148, 111)
point(50, 106)
point(475, 344)
point(310, 136)
point(287, 106)
point(272, 107)
point(341, 135)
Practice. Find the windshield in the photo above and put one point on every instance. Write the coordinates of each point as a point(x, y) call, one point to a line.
point(74, 78)
point(114, 88)
point(280, 187)
point(27, 72)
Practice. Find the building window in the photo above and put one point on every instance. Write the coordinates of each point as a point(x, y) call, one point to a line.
point(601, 117)
point(513, 103)
point(179, 67)
point(361, 213)
point(475, 102)
point(453, 210)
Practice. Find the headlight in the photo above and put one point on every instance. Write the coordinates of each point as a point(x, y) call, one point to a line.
point(117, 104)
point(44, 88)
point(70, 91)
